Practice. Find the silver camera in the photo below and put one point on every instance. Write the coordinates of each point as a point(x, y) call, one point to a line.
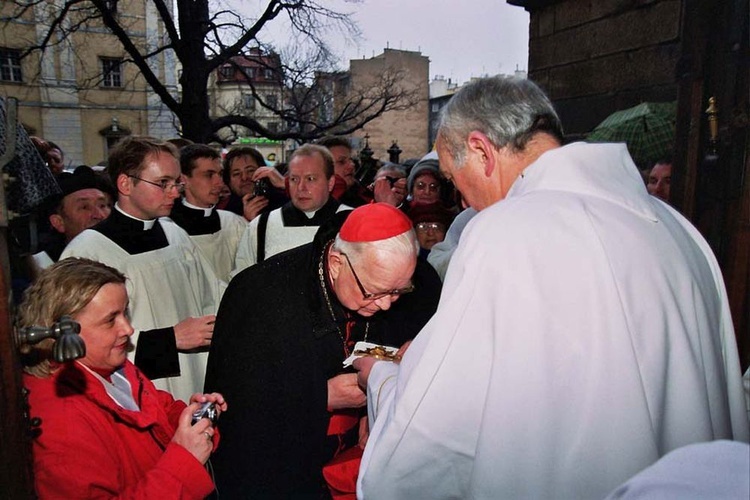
point(207, 410)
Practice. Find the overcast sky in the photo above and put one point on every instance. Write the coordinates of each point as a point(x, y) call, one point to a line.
point(462, 39)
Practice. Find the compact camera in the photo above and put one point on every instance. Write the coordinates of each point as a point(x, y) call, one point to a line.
point(207, 410)
point(262, 187)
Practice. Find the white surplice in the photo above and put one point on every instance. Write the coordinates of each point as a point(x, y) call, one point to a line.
point(165, 286)
point(220, 248)
point(582, 333)
point(279, 238)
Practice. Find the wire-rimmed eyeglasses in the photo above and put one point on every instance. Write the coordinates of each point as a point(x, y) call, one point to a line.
point(164, 184)
point(378, 295)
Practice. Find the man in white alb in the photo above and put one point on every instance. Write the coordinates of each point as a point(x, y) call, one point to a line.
point(582, 333)
point(174, 293)
point(216, 232)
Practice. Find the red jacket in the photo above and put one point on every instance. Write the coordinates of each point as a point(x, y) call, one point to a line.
point(90, 447)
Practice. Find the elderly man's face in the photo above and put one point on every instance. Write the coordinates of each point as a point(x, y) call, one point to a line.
point(478, 190)
point(375, 276)
point(460, 177)
point(80, 210)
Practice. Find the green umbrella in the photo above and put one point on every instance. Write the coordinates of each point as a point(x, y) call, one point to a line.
point(647, 129)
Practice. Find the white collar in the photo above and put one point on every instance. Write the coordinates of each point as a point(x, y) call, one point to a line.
point(147, 224)
point(206, 211)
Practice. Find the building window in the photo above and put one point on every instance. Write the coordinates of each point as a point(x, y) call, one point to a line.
point(268, 74)
point(248, 101)
point(10, 65)
point(271, 100)
point(111, 72)
point(435, 107)
point(249, 72)
point(227, 72)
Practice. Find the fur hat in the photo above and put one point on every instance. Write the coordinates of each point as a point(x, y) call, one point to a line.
point(430, 212)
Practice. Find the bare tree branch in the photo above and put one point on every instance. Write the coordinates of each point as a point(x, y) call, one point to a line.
point(205, 36)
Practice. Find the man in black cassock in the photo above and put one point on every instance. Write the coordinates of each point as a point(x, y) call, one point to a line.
point(284, 328)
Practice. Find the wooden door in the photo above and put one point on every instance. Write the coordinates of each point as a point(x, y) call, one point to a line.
point(712, 178)
point(15, 453)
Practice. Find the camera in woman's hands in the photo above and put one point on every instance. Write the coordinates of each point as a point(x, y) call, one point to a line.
point(207, 410)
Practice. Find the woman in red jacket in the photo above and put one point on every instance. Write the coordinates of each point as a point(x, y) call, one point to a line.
point(106, 431)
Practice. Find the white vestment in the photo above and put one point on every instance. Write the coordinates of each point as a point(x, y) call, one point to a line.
point(583, 332)
point(220, 248)
point(279, 238)
point(165, 286)
point(716, 469)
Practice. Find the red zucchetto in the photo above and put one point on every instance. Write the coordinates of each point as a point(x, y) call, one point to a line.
point(374, 222)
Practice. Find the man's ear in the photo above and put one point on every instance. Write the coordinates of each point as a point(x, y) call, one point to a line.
point(479, 146)
point(335, 261)
point(331, 183)
point(57, 222)
point(124, 184)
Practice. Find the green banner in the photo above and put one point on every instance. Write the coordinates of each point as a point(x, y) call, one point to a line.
point(262, 141)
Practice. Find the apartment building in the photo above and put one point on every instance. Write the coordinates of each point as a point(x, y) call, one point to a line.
point(80, 93)
point(251, 86)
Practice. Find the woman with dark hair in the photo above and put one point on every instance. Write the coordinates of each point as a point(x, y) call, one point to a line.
point(106, 431)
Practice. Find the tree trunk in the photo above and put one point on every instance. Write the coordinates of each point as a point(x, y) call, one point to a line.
point(194, 113)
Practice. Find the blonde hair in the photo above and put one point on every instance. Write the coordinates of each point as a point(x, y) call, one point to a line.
point(64, 288)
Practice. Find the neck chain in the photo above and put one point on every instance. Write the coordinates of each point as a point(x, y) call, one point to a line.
point(321, 276)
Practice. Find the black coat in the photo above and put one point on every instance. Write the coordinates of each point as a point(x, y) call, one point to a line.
point(275, 346)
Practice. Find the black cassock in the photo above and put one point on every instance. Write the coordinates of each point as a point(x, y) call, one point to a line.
point(274, 348)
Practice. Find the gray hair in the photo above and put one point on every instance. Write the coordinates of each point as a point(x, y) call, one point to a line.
point(400, 246)
point(509, 111)
point(388, 168)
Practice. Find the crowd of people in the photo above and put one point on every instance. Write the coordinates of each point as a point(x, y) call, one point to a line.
point(557, 327)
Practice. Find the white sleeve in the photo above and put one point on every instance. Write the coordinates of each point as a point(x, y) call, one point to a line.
point(381, 387)
point(246, 256)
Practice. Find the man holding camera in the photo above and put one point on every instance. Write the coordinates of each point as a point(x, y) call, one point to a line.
point(215, 232)
point(254, 187)
point(294, 224)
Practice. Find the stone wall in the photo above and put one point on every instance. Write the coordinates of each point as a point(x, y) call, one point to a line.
point(597, 57)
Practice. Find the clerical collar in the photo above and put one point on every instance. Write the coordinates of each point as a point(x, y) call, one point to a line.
point(294, 217)
point(147, 224)
point(206, 211)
